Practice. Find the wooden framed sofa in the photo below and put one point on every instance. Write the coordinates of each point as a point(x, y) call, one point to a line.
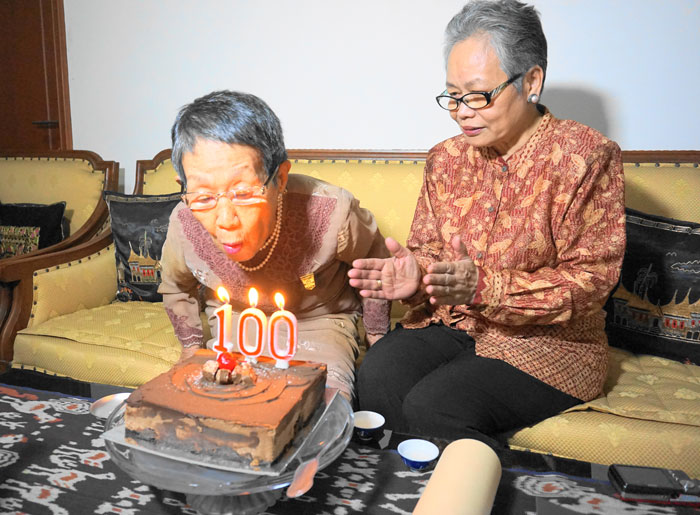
point(76, 177)
point(31, 185)
point(649, 413)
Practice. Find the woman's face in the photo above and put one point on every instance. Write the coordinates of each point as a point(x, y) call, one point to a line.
point(473, 66)
point(216, 167)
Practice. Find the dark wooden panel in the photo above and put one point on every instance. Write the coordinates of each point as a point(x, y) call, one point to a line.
point(34, 85)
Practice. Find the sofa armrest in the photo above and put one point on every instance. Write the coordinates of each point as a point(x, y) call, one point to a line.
point(38, 288)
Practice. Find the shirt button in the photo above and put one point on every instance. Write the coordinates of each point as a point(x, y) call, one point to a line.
point(479, 255)
point(504, 168)
point(490, 209)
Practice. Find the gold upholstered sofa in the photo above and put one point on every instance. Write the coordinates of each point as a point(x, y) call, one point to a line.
point(649, 413)
point(32, 184)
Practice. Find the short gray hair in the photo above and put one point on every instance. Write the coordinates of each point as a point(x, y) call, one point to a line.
point(229, 117)
point(513, 28)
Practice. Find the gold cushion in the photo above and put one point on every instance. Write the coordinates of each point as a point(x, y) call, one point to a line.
point(95, 276)
point(45, 181)
point(123, 343)
point(630, 423)
point(603, 438)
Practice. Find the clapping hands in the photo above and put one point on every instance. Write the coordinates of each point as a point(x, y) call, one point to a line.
point(400, 276)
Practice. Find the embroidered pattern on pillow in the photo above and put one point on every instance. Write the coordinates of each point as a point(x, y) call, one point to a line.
point(48, 218)
point(139, 226)
point(656, 306)
point(16, 240)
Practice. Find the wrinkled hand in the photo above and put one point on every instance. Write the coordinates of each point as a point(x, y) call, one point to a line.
point(452, 282)
point(393, 278)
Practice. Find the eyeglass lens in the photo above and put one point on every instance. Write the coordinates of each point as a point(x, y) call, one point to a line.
point(473, 101)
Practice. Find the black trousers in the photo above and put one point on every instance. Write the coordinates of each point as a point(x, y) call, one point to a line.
point(431, 382)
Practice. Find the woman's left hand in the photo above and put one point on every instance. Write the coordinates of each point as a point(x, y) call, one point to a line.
point(452, 282)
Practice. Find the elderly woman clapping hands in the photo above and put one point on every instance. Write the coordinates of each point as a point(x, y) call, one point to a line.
point(516, 242)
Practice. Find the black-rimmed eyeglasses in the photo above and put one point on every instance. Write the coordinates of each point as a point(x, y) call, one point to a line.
point(473, 99)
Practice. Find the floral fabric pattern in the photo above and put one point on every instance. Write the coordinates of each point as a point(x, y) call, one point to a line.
point(546, 230)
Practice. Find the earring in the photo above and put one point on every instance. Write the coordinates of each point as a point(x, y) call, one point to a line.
point(533, 99)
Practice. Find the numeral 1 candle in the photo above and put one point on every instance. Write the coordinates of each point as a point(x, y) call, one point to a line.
point(252, 315)
point(224, 342)
point(278, 320)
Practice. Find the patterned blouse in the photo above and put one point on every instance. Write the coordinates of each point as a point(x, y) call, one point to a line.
point(323, 230)
point(546, 230)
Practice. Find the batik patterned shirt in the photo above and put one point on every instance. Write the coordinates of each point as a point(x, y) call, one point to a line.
point(546, 231)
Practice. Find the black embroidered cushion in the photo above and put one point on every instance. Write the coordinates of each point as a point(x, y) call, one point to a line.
point(656, 306)
point(139, 226)
point(28, 227)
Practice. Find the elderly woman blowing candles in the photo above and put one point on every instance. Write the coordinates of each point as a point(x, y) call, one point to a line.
point(516, 242)
point(246, 221)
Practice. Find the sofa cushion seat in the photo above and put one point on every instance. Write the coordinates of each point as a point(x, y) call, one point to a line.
point(122, 343)
point(650, 388)
point(630, 423)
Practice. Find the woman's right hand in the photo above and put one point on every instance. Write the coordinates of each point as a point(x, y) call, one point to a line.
point(395, 278)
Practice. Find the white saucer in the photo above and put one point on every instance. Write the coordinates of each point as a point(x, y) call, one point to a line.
point(103, 407)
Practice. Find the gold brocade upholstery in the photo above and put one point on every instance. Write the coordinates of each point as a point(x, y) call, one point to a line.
point(375, 184)
point(665, 189)
point(161, 179)
point(649, 388)
point(96, 275)
point(45, 181)
point(649, 415)
point(120, 343)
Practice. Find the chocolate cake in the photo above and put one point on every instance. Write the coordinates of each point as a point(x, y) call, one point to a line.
point(253, 416)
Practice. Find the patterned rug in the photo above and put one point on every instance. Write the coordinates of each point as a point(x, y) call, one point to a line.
point(53, 461)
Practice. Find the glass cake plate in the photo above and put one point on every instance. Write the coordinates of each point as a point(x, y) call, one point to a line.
point(328, 431)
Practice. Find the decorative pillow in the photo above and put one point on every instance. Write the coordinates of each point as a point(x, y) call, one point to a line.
point(139, 226)
point(20, 224)
point(15, 241)
point(656, 306)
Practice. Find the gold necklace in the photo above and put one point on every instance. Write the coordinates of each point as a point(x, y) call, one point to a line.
point(274, 237)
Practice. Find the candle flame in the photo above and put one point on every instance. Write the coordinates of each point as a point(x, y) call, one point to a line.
point(222, 294)
point(253, 297)
point(279, 300)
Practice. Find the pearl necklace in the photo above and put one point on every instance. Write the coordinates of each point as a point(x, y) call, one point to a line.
point(274, 237)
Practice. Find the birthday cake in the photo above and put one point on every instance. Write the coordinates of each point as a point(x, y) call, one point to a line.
point(226, 408)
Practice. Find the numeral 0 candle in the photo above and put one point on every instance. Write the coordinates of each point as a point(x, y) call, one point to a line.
point(252, 315)
point(277, 321)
